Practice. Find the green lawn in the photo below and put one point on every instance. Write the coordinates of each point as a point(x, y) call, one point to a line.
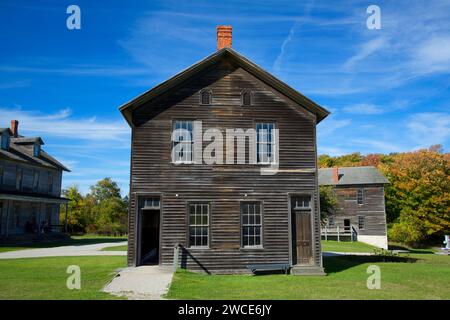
point(116, 248)
point(45, 278)
point(346, 246)
point(426, 278)
point(56, 242)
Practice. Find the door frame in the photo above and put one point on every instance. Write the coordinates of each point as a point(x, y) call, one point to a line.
point(312, 221)
point(137, 225)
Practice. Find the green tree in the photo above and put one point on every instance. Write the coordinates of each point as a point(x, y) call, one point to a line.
point(105, 189)
point(328, 202)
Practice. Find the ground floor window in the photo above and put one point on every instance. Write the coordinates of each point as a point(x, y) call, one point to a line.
point(198, 224)
point(361, 222)
point(251, 214)
point(330, 221)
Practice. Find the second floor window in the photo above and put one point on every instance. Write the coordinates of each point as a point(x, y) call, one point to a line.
point(182, 142)
point(50, 182)
point(360, 196)
point(19, 176)
point(35, 181)
point(265, 143)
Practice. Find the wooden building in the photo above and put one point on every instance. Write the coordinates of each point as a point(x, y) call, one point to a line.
point(30, 185)
point(225, 216)
point(360, 212)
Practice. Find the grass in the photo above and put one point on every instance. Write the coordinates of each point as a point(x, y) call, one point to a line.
point(45, 278)
point(116, 248)
point(426, 278)
point(31, 243)
point(346, 246)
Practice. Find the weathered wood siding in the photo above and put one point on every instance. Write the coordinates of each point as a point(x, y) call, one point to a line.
point(372, 208)
point(223, 186)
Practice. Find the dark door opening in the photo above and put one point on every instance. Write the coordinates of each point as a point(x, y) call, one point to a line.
point(346, 225)
point(301, 231)
point(149, 238)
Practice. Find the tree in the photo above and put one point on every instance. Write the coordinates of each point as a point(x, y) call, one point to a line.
point(418, 197)
point(328, 202)
point(105, 189)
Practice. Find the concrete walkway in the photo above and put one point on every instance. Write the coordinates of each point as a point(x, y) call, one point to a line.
point(141, 283)
point(66, 251)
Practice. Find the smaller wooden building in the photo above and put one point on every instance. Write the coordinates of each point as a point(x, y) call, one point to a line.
point(30, 185)
point(360, 213)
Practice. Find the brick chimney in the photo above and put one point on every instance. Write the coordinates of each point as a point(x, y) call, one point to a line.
point(224, 36)
point(15, 128)
point(335, 174)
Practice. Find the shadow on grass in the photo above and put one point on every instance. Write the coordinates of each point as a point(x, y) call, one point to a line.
point(54, 240)
point(344, 262)
point(411, 250)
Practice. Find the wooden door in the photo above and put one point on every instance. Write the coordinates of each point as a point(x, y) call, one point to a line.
point(303, 234)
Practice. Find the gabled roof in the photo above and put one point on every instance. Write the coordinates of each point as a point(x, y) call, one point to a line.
point(30, 140)
point(20, 150)
point(241, 61)
point(5, 129)
point(352, 176)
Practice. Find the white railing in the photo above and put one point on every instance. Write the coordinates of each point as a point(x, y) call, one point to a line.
point(340, 232)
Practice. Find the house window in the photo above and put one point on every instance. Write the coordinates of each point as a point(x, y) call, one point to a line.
point(1, 176)
point(15, 221)
point(182, 142)
point(246, 98)
point(152, 203)
point(360, 196)
point(37, 149)
point(5, 141)
point(205, 97)
point(330, 221)
point(49, 211)
point(265, 143)
point(50, 182)
point(303, 202)
point(251, 224)
point(198, 224)
point(19, 177)
point(361, 222)
point(35, 181)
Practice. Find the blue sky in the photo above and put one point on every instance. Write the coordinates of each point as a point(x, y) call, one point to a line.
point(387, 89)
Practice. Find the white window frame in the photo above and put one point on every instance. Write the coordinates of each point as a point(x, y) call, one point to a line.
point(363, 222)
point(360, 190)
point(184, 132)
point(202, 205)
point(267, 139)
point(252, 225)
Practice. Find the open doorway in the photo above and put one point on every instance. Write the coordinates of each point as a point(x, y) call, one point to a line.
point(149, 226)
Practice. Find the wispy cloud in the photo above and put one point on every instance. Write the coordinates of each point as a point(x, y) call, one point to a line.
point(63, 124)
point(363, 108)
point(429, 128)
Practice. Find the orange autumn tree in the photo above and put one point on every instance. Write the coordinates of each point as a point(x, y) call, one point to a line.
point(418, 194)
